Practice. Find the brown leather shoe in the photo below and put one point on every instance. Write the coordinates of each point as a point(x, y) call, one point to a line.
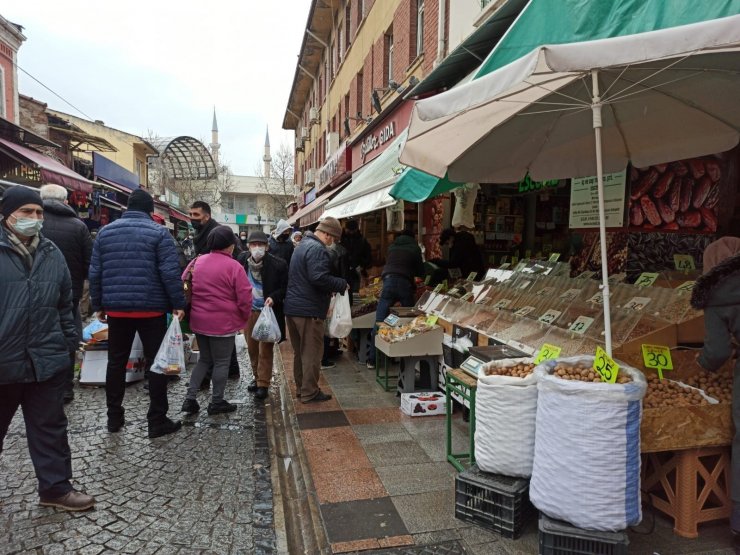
point(72, 501)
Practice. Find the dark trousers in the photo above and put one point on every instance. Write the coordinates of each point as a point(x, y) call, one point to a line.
point(395, 289)
point(46, 430)
point(121, 332)
point(69, 386)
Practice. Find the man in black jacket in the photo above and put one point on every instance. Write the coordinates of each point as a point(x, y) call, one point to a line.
point(37, 331)
point(203, 223)
point(280, 243)
point(310, 285)
point(359, 255)
point(71, 236)
point(268, 276)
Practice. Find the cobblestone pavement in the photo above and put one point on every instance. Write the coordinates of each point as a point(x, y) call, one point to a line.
point(204, 489)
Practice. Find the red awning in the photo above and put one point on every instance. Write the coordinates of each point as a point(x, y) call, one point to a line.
point(313, 210)
point(51, 170)
point(179, 215)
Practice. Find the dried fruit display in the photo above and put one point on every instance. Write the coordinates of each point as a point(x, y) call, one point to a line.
point(399, 333)
point(668, 393)
point(583, 373)
point(717, 385)
point(679, 195)
point(521, 370)
point(653, 252)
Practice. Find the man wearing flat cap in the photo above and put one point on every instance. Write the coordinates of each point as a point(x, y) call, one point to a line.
point(310, 286)
point(268, 276)
point(37, 332)
point(134, 282)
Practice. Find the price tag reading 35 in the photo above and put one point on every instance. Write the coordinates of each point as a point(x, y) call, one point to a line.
point(646, 279)
point(547, 352)
point(657, 357)
point(605, 366)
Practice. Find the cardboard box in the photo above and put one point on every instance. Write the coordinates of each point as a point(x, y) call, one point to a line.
point(423, 404)
point(95, 365)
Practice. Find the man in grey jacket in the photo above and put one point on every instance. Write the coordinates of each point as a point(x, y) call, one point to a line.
point(36, 332)
point(310, 285)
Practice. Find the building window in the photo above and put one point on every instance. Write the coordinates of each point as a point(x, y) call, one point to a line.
point(3, 108)
point(347, 27)
point(419, 27)
point(360, 90)
point(360, 11)
point(389, 59)
point(139, 171)
point(228, 202)
point(340, 44)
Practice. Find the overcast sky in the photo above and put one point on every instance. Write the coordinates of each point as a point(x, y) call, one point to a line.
point(162, 65)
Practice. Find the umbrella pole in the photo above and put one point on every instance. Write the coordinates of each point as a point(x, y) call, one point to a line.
point(596, 109)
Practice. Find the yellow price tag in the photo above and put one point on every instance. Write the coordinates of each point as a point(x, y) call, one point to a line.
point(376, 280)
point(547, 352)
point(427, 279)
point(554, 257)
point(686, 286)
point(439, 287)
point(646, 279)
point(432, 320)
point(684, 262)
point(657, 357)
point(605, 366)
point(472, 276)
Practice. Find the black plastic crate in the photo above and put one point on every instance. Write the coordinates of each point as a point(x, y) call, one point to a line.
point(560, 538)
point(495, 502)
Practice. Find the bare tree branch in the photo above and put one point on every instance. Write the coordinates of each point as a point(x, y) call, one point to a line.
point(279, 187)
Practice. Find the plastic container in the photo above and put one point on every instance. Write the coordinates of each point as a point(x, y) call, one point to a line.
point(560, 538)
point(498, 503)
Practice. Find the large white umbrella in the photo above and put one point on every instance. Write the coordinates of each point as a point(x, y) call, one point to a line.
point(587, 108)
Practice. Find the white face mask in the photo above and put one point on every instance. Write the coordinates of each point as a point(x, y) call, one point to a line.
point(258, 253)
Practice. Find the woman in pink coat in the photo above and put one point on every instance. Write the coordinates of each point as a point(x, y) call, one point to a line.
point(220, 307)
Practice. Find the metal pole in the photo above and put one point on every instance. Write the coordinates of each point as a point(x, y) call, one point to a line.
point(596, 108)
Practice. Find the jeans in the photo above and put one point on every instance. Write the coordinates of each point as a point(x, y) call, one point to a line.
point(395, 289)
point(215, 352)
point(46, 430)
point(121, 332)
point(260, 353)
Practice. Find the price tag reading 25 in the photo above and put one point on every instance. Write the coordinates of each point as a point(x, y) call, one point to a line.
point(657, 357)
point(605, 366)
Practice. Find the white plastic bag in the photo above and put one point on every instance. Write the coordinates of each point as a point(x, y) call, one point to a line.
point(340, 324)
point(505, 413)
point(241, 343)
point(266, 329)
point(170, 358)
point(587, 449)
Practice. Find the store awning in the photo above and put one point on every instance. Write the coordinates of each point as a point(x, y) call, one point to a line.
point(417, 186)
point(311, 213)
point(370, 184)
point(112, 204)
point(17, 134)
point(471, 52)
point(51, 170)
point(179, 215)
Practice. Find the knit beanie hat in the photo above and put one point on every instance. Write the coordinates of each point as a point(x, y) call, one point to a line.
point(330, 226)
point(719, 251)
point(141, 201)
point(17, 196)
point(220, 238)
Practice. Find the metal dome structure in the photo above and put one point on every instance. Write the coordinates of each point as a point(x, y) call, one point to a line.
point(185, 158)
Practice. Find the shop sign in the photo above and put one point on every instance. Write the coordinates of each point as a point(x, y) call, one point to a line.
point(336, 166)
point(584, 201)
point(310, 196)
point(371, 142)
point(526, 185)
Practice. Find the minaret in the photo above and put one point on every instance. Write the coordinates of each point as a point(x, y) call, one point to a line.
point(214, 139)
point(267, 159)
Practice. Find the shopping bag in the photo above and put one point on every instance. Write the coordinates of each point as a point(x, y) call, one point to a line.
point(266, 328)
point(170, 358)
point(241, 343)
point(340, 324)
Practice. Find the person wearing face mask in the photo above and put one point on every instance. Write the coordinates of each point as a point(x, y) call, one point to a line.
point(203, 223)
point(134, 283)
point(243, 241)
point(268, 276)
point(310, 285)
point(37, 332)
point(280, 243)
point(221, 305)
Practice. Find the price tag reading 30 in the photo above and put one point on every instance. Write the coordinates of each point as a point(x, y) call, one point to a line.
point(657, 357)
point(547, 352)
point(605, 366)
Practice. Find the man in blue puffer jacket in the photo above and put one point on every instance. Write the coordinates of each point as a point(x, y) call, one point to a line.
point(37, 332)
point(134, 282)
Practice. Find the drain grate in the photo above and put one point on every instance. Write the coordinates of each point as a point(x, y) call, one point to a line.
point(445, 548)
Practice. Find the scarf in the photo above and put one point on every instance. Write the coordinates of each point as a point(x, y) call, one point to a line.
point(26, 251)
point(255, 280)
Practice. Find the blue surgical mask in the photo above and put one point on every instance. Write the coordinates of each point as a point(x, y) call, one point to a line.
point(27, 226)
